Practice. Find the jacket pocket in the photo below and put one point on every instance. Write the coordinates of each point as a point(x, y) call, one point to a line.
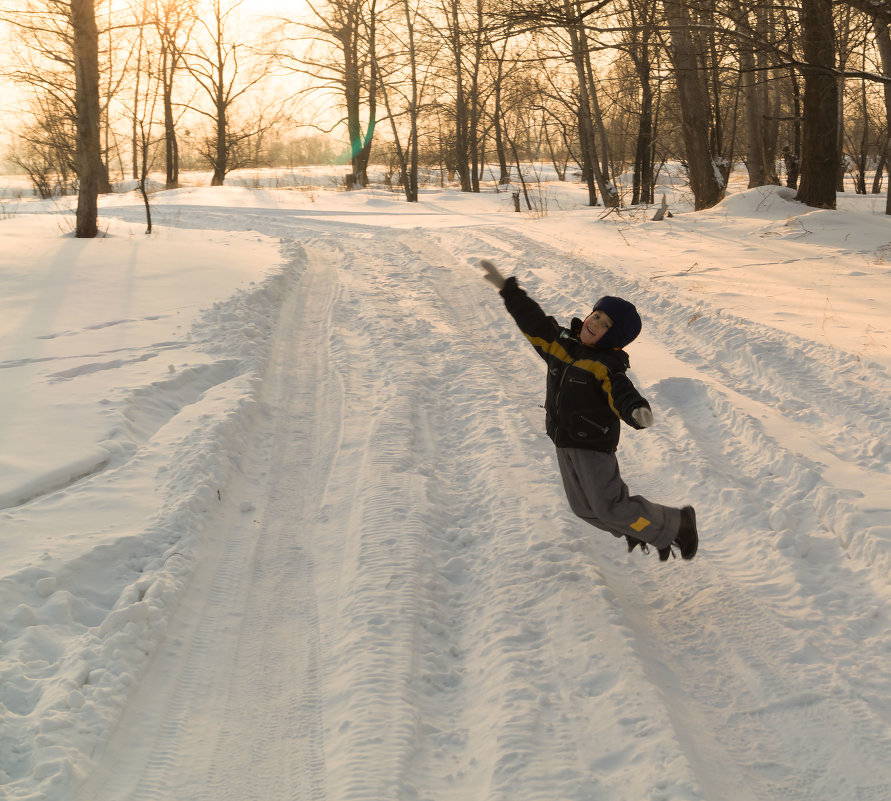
point(586, 429)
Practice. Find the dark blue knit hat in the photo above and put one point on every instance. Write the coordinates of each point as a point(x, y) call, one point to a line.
point(626, 322)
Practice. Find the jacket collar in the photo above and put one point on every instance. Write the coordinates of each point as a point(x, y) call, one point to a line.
point(575, 331)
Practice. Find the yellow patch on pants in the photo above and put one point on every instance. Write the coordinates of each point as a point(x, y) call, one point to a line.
point(640, 524)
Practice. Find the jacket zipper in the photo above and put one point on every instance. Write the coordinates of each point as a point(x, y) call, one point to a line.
point(565, 377)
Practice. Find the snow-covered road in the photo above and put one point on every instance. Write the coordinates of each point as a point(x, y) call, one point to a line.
point(392, 601)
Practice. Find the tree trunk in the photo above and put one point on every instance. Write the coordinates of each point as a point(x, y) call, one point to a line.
point(500, 150)
point(607, 188)
point(411, 184)
point(360, 164)
point(473, 133)
point(462, 150)
point(588, 153)
point(592, 169)
point(169, 58)
point(770, 98)
point(840, 166)
point(883, 40)
point(695, 112)
point(143, 176)
point(352, 89)
point(559, 164)
point(695, 109)
point(587, 143)
point(135, 131)
point(221, 105)
point(819, 147)
point(794, 164)
point(642, 184)
point(842, 35)
point(863, 144)
point(721, 146)
point(641, 53)
point(754, 114)
point(89, 150)
point(407, 156)
point(221, 158)
point(880, 168)
point(167, 105)
point(171, 147)
point(761, 145)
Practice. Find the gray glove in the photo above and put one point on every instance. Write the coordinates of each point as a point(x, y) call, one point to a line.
point(642, 416)
point(492, 275)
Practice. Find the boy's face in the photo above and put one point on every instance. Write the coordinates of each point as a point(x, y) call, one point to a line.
point(594, 327)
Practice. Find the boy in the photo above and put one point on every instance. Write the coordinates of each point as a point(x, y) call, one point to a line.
point(588, 394)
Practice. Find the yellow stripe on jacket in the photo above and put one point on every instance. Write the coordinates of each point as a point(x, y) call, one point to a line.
point(598, 369)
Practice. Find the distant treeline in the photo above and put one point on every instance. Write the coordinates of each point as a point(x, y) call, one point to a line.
point(799, 91)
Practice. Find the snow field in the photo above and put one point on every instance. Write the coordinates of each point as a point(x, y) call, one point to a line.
point(100, 546)
point(327, 555)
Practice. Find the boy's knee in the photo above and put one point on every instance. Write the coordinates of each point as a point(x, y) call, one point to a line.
point(589, 516)
point(605, 508)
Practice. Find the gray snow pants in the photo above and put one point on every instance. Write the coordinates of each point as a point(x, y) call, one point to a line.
point(598, 495)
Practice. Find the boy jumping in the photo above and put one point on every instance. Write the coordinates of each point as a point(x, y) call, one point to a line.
point(588, 394)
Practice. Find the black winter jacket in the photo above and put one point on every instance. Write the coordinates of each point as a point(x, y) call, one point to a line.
point(587, 389)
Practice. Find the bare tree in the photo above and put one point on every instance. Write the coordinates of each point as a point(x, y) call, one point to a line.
point(505, 63)
point(638, 40)
point(858, 130)
point(497, 66)
point(567, 25)
point(348, 31)
point(216, 66)
point(590, 122)
point(760, 117)
point(43, 149)
point(705, 180)
point(57, 61)
point(819, 153)
point(145, 104)
point(464, 31)
point(85, 43)
point(148, 89)
point(140, 67)
point(883, 41)
point(400, 84)
point(174, 21)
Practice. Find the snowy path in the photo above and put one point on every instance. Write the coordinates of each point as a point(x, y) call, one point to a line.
point(395, 602)
point(251, 604)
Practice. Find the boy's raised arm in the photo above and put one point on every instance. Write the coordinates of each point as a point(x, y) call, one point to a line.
point(539, 328)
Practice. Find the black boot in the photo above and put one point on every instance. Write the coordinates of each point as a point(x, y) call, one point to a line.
point(687, 539)
point(634, 543)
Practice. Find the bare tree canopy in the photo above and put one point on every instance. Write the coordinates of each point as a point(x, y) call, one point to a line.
point(796, 91)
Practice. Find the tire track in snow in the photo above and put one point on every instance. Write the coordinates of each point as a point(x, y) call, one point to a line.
point(372, 504)
point(230, 707)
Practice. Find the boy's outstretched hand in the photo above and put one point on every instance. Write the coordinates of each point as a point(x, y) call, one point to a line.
point(642, 416)
point(492, 275)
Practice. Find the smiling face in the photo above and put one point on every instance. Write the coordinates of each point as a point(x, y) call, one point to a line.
point(594, 327)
